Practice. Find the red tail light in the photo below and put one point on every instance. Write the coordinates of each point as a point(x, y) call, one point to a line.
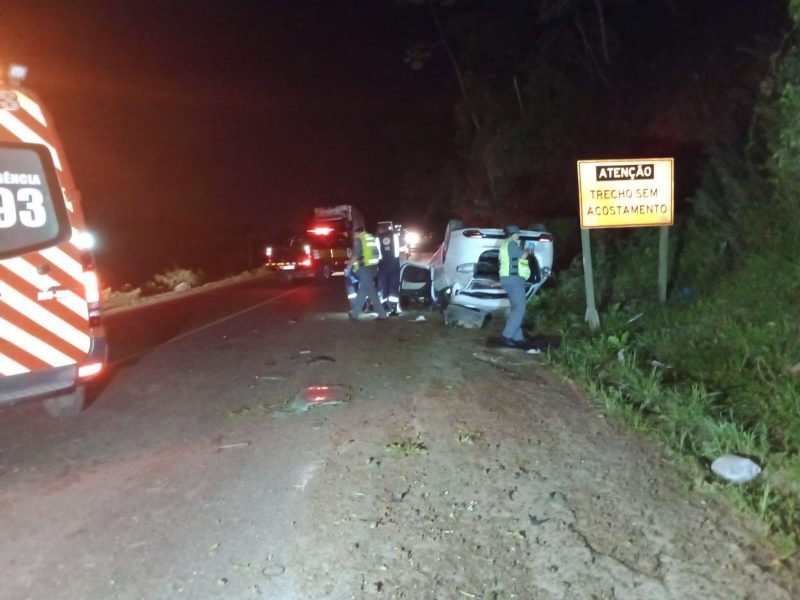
point(321, 230)
point(91, 286)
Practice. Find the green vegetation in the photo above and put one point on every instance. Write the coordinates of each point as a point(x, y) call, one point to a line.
point(715, 370)
point(177, 277)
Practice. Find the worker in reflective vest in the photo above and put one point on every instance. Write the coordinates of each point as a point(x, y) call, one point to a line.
point(389, 269)
point(364, 260)
point(514, 272)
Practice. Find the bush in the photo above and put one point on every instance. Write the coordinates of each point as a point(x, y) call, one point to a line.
point(175, 277)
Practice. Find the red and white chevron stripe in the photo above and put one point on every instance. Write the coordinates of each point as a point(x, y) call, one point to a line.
point(44, 319)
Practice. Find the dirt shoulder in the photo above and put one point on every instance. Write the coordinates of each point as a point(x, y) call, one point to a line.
point(479, 473)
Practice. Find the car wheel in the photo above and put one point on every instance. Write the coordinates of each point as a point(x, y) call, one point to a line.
point(325, 272)
point(66, 405)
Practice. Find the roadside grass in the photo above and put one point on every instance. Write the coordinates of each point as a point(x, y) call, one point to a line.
point(172, 280)
point(708, 374)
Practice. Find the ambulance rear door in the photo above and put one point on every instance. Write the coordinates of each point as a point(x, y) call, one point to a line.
point(51, 337)
point(44, 322)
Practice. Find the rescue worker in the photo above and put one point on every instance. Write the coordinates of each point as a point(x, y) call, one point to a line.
point(514, 272)
point(389, 268)
point(364, 260)
point(351, 286)
point(350, 283)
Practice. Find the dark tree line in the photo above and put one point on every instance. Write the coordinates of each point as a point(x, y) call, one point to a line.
point(536, 86)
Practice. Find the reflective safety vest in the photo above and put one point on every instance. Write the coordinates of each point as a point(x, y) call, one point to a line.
point(370, 252)
point(513, 266)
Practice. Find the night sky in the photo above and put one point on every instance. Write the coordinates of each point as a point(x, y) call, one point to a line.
point(197, 130)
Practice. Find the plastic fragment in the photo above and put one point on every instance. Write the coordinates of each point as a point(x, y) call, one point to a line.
point(736, 469)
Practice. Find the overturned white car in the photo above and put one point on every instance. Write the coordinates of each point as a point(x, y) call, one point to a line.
point(464, 270)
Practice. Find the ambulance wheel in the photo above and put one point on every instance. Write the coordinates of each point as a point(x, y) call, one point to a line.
point(325, 272)
point(66, 405)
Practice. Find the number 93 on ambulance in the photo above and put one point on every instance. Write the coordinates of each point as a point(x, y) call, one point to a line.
point(51, 334)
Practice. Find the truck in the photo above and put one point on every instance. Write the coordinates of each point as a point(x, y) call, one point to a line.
point(322, 249)
point(52, 340)
point(343, 219)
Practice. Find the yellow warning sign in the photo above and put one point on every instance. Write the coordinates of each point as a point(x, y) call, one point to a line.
point(626, 192)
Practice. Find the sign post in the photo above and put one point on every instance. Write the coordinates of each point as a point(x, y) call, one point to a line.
point(625, 193)
point(592, 318)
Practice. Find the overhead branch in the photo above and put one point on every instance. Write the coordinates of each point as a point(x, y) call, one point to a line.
point(588, 47)
point(456, 68)
point(519, 97)
point(602, 23)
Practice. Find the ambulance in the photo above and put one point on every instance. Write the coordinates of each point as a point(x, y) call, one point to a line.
point(51, 334)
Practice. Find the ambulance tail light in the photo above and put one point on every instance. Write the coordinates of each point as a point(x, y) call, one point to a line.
point(306, 262)
point(91, 286)
point(268, 251)
point(89, 370)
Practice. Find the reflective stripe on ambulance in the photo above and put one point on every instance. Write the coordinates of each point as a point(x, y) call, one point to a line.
point(44, 319)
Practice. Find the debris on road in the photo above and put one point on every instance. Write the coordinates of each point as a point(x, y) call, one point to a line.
point(239, 411)
point(314, 395)
point(736, 469)
point(466, 436)
point(320, 358)
point(407, 448)
point(305, 351)
point(273, 570)
point(421, 318)
point(324, 394)
point(536, 521)
point(461, 316)
point(234, 445)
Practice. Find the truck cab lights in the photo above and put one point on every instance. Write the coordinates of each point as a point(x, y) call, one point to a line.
point(321, 230)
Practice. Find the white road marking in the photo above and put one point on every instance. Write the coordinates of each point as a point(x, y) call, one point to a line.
point(186, 334)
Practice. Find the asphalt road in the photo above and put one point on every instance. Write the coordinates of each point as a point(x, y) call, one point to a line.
point(157, 490)
point(455, 470)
